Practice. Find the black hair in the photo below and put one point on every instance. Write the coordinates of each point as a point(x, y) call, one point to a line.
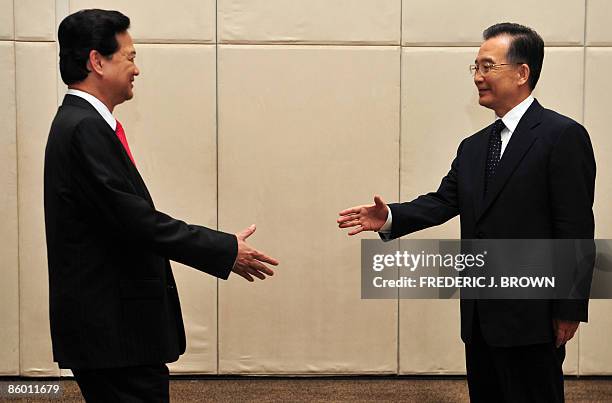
point(526, 47)
point(84, 31)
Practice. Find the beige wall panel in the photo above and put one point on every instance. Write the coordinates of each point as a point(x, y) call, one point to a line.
point(599, 22)
point(9, 287)
point(309, 21)
point(303, 133)
point(7, 30)
point(448, 22)
point(35, 20)
point(560, 87)
point(170, 125)
point(36, 106)
point(430, 338)
point(595, 354)
point(439, 109)
point(596, 117)
point(62, 9)
point(183, 21)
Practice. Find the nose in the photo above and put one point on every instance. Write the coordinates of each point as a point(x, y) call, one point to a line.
point(136, 70)
point(478, 78)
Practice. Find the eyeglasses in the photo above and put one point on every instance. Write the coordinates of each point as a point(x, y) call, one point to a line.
point(485, 68)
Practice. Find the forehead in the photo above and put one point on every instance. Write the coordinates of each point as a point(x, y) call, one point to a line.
point(494, 49)
point(126, 45)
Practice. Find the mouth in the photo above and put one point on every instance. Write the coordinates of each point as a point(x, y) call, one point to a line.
point(482, 91)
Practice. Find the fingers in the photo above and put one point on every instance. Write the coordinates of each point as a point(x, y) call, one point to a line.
point(253, 268)
point(250, 263)
point(356, 230)
point(244, 275)
point(254, 272)
point(247, 232)
point(564, 331)
point(352, 210)
point(560, 337)
point(349, 224)
point(265, 258)
point(347, 217)
point(260, 270)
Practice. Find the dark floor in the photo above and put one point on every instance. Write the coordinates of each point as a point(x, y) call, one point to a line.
point(356, 389)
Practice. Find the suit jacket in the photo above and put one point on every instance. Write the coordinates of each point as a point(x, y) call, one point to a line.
point(112, 296)
point(543, 189)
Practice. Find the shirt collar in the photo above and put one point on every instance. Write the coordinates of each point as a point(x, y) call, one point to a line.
point(97, 104)
point(513, 117)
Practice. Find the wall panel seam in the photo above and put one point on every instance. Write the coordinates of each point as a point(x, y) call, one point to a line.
point(399, 187)
point(217, 150)
point(399, 169)
point(584, 57)
point(415, 46)
point(17, 198)
point(34, 40)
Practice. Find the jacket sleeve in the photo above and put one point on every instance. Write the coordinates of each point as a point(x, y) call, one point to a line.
point(103, 182)
point(572, 187)
point(428, 210)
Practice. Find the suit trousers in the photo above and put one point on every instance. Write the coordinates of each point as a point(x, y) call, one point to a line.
point(147, 383)
point(531, 373)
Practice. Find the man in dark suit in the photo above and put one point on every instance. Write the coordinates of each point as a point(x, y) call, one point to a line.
point(114, 307)
point(529, 175)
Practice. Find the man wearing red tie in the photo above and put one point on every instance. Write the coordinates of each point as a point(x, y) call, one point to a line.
point(114, 307)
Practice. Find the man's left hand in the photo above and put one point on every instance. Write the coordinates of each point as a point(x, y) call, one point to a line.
point(564, 330)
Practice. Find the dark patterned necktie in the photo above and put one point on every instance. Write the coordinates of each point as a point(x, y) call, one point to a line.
point(493, 153)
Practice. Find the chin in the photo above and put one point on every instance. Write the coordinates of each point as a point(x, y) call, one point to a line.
point(484, 102)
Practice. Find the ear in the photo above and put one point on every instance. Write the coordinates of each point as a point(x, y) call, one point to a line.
point(523, 74)
point(95, 62)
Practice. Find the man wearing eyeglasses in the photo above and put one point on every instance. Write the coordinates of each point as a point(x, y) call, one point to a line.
point(529, 175)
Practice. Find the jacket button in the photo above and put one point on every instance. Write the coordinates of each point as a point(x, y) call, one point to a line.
point(480, 234)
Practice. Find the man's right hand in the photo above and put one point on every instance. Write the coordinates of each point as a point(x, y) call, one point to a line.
point(365, 218)
point(250, 262)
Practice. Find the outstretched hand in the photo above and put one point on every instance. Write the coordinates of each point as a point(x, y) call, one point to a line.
point(364, 218)
point(250, 262)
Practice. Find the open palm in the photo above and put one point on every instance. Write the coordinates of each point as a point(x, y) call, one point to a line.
point(364, 218)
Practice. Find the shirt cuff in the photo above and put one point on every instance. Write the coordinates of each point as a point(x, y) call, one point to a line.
point(386, 228)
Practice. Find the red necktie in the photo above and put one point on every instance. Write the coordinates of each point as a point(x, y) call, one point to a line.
point(121, 135)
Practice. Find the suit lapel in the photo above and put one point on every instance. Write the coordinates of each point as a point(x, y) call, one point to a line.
point(520, 142)
point(133, 171)
point(136, 179)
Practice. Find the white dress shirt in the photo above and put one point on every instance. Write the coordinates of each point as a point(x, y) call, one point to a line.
point(96, 103)
point(510, 119)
